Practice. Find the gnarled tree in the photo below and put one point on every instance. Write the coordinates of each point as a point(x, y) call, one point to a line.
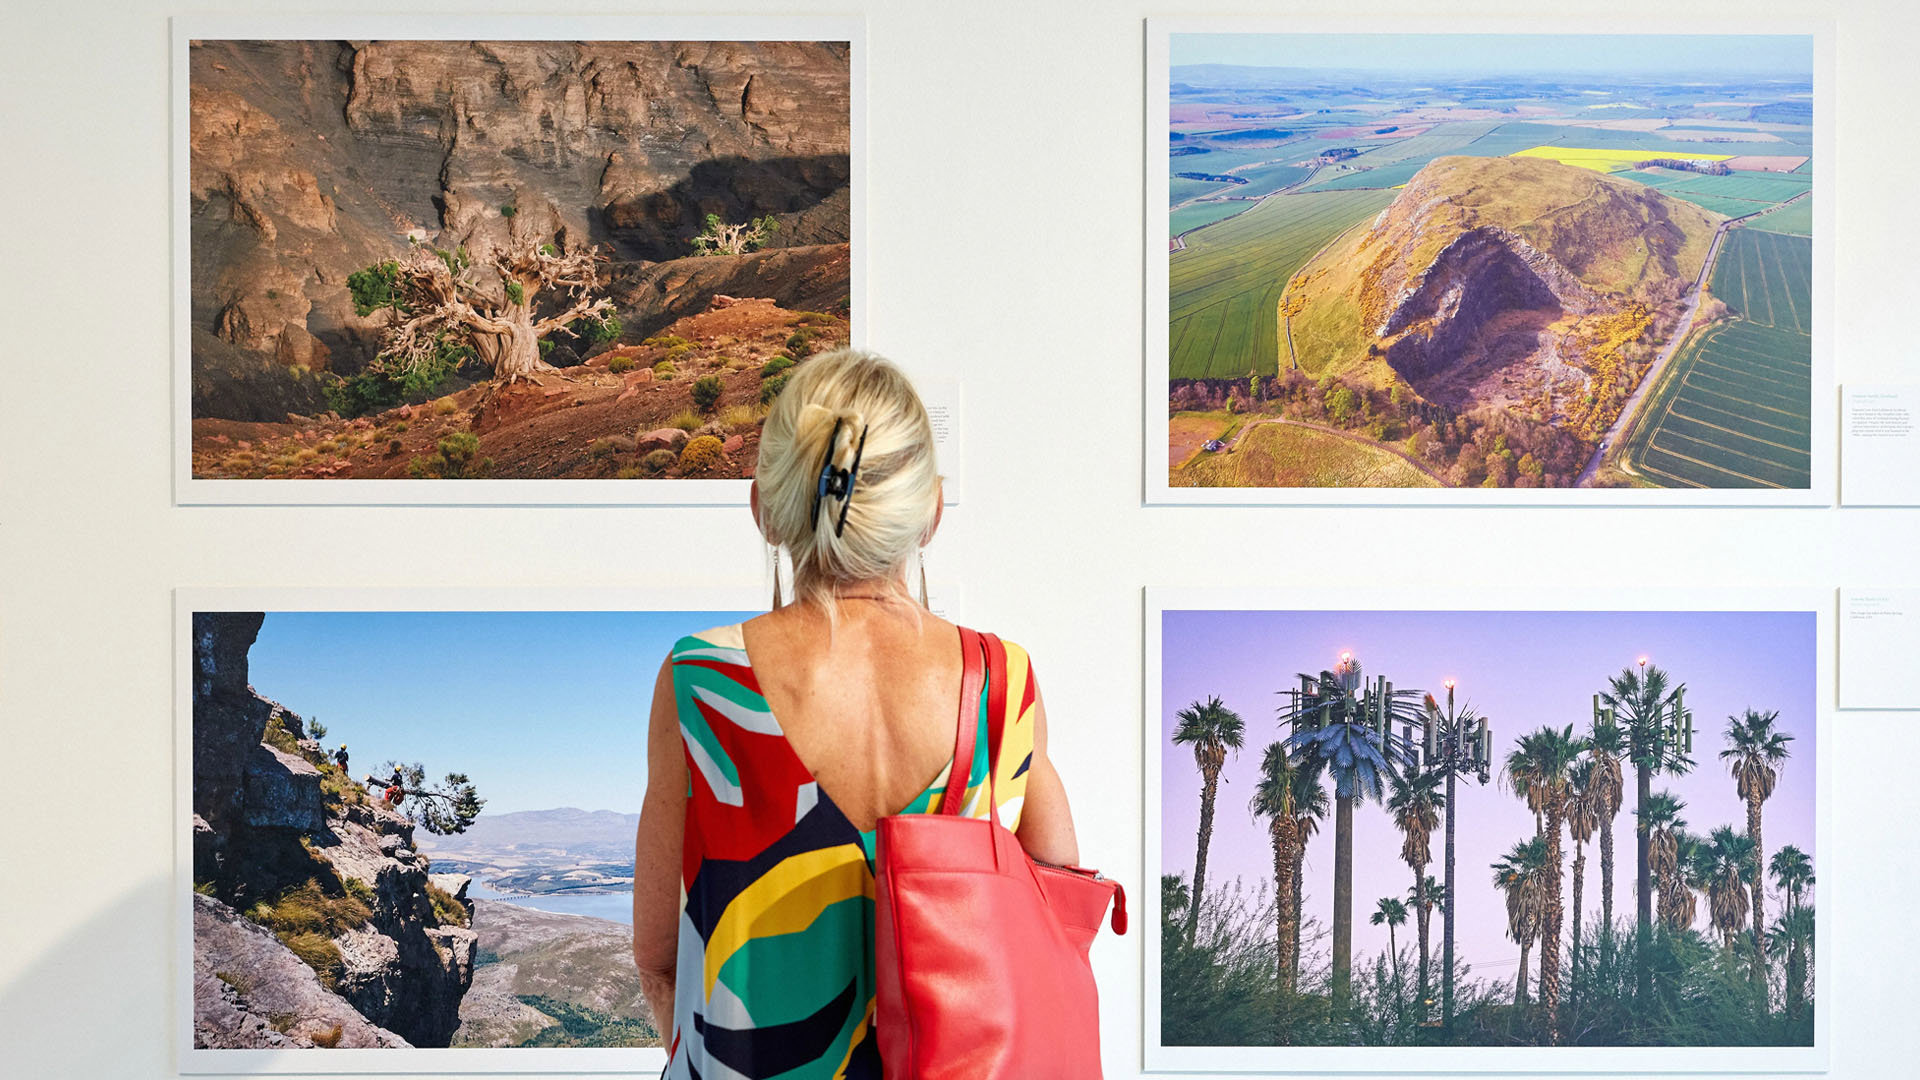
point(502, 305)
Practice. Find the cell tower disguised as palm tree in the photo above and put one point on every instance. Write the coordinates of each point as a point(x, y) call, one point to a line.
point(1755, 751)
point(1212, 730)
point(1459, 742)
point(1346, 723)
point(1659, 735)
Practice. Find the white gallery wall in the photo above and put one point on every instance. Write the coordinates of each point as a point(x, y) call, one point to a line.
point(1004, 245)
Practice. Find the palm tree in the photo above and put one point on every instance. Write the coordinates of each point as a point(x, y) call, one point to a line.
point(1425, 895)
point(1415, 803)
point(1537, 769)
point(1211, 729)
point(1606, 745)
point(1518, 875)
point(1660, 821)
point(1754, 754)
point(1583, 817)
point(1792, 939)
point(1679, 901)
point(1333, 718)
point(1642, 699)
point(1728, 858)
point(1393, 913)
point(1273, 800)
point(1309, 810)
point(1792, 872)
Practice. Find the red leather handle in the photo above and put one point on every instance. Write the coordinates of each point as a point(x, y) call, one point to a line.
point(972, 672)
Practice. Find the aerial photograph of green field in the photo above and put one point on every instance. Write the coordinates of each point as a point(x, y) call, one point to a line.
point(1490, 261)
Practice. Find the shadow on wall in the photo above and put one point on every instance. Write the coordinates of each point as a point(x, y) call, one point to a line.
point(99, 1000)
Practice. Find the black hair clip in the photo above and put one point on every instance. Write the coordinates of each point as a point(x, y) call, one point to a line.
point(838, 482)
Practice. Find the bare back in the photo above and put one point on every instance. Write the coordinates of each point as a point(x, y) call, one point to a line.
point(870, 707)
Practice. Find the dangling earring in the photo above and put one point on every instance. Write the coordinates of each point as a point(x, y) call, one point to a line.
point(775, 552)
point(923, 579)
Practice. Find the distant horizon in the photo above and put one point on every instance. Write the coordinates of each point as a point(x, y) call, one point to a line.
point(1675, 56)
point(540, 709)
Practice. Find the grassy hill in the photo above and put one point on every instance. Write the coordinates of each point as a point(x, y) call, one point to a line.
point(1597, 245)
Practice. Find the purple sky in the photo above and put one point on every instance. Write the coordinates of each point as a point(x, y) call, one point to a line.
point(1521, 669)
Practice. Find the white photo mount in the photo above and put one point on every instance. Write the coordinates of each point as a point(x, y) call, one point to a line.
point(1159, 1059)
point(421, 1060)
point(189, 490)
point(1156, 428)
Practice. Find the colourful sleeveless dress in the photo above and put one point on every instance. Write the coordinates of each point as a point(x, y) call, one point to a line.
point(775, 968)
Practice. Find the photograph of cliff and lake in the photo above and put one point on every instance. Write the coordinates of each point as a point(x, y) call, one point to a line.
point(507, 260)
point(416, 829)
point(1490, 261)
point(1492, 829)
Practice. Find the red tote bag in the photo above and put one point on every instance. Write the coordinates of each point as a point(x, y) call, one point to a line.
point(981, 953)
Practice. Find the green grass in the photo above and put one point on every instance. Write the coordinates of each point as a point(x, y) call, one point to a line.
point(1767, 278)
point(1225, 287)
point(1205, 213)
point(1386, 176)
point(1180, 189)
point(1734, 409)
point(1291, 456)
point(1717, 203)
point(1268, 179)
point(1795, 220)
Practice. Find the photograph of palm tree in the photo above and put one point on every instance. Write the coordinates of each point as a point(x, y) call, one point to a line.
point(1487, 828)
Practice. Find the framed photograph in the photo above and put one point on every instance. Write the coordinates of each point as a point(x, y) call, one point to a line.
point(558, 260)
point(1398, 833)
point(406, 825)
point(1420, 261)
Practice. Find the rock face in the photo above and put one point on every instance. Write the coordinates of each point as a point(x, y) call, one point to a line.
point(1461, 307)
point(310, 160)
point(249, 991)
point(265, 822)
point(1485, 278)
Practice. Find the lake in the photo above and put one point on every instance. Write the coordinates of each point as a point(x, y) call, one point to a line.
point(614, 907)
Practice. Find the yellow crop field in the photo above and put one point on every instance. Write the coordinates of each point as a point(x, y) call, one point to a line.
point(1609, 160)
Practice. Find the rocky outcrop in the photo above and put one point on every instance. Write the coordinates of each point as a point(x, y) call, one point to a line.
point(1452, 312)
point(266, 822)
point(310, 160)
point(250, 991)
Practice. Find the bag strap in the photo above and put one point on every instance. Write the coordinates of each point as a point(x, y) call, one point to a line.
point(972, 674)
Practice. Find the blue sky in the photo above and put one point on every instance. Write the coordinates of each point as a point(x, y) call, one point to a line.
point(1521, 669)
point(1672, 55)
point(540, 709)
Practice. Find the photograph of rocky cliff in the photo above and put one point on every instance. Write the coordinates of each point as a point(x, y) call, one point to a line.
point(414, 870)
point(509, 260)
point(1490, 261)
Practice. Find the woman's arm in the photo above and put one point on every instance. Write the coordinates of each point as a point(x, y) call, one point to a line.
point(656, 856)
point(1046, 822)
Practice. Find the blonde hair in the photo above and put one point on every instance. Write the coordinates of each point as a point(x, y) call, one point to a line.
point(896, 495)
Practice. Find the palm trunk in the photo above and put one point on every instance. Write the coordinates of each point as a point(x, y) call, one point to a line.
point(1299, 901)
point(1606, 886)
point(1284, 929)
point(1759, 901)
point(1579, 888)
point(1423, 912)
point(1550, 932)
point(1342, 906)
point(1796, 980)
point(1209, 787)
point(1642, 889)
point(1520, 978)
point(1393, 948)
